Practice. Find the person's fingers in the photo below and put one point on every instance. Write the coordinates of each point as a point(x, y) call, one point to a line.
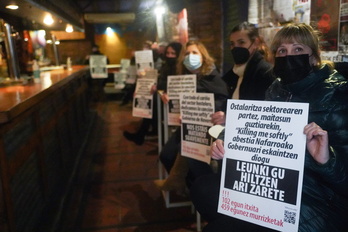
point(217, 150)
point(312, 129)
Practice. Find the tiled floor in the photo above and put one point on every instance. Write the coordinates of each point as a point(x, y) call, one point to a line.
point(114, 190)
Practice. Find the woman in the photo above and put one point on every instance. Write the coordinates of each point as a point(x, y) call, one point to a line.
point(194, 59)
point(251, 74)
point(303, 78)
point(249, 79)
point(171, 52)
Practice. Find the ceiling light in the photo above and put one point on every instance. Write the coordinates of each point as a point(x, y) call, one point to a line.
point(109, 31)
point(160, 10)
point(48, 20)
point(69, 28)
point(12, 7)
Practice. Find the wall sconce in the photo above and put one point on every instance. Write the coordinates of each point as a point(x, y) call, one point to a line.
point(160, 10)
point(69, 28)
point(48, 20)
point(109, 31)
point(12, 7)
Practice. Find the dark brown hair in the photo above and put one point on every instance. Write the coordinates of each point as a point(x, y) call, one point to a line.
point(253, 34)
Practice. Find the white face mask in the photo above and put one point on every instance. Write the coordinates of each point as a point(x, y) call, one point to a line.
point(192, 62)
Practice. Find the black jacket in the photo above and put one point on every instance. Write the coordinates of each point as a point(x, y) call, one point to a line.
point(166, 70)
point(213, 83)
point(257, 78)
point(324, 203)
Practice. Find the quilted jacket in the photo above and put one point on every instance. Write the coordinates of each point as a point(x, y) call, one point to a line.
point(324, 204)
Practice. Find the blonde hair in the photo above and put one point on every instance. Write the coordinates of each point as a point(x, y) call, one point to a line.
point(300, 33)
point(208, 61)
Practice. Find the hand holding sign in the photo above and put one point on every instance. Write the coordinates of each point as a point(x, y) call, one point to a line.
point(263, 163)
point(317, 143)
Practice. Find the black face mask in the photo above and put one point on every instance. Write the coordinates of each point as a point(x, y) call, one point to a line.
point(240, 55)
point(170, 60)
point(291, 69)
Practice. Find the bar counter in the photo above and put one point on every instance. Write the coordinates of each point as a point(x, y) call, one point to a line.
point(43, 131)
point(18, 98)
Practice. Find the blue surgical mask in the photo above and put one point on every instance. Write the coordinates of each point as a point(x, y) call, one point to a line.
point(192, 62)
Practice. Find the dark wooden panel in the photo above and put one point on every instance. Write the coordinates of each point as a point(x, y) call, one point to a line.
point(39, 148)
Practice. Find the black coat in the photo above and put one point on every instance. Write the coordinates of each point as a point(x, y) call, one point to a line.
point(213, 83)
point(324, 203)
point(166, 70)
point(257, 78)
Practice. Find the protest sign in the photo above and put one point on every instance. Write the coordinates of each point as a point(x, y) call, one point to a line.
point(97, 66)
point(151, 74)
point(144, 60)
point(262, 170)
point(132, 75)
point(125, 63)
point(143, 99)
point(196, 110)
point(178, 84)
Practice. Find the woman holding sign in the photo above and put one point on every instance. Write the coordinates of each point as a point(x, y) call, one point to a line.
point(302, 77)
point(172, 52)
point(194, 59)
point(251, 74)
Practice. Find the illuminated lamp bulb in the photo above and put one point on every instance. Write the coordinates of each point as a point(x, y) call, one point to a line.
point(48, 20)
point(12, 7)
point(69, 28)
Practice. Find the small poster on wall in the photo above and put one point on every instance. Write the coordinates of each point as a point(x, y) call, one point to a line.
point(343, 36)
point(297, 11)
point(325, 15)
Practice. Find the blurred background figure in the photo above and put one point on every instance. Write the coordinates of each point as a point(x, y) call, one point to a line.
point(172, 52)
point(95, 51)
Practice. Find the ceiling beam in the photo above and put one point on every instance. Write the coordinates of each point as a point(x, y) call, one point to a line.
point(62, 9)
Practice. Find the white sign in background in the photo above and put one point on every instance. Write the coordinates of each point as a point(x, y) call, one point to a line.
point(144, 60)
point(262, 171)
point(178, 84)
point(196, 110)
point(97, 66)
point(143, 99)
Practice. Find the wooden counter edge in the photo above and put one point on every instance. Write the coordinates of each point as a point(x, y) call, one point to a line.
point(6, 116)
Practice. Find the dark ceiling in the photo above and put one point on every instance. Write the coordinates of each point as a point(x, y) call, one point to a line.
point(77, 12)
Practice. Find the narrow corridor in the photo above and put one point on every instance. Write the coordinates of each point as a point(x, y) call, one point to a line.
point(113, 189)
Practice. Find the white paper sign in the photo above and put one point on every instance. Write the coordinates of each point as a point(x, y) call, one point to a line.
point(132, 75)
point(144, 60)
point(97, 66)
point(263, 165)
point(196, 110)
point(151, 74)
point(178, 84)
point(125, 63)
point(143, 99)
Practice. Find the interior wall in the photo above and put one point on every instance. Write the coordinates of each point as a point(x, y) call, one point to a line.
point(77, 50)
point(117, 46)
point(204, 23)
point(234, 12)
point(208, 21)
